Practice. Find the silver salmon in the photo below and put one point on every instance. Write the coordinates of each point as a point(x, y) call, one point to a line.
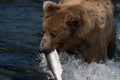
point(54, 64)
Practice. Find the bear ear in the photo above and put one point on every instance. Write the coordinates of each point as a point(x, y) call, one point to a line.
point(50, 6)
point(74, 23)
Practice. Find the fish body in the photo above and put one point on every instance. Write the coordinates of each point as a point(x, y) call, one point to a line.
point(54, 64)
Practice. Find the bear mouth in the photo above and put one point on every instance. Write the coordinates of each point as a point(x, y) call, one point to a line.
point(45, 51)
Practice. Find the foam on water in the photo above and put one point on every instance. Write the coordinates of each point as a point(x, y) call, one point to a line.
point(78, 70)
point(75, 69)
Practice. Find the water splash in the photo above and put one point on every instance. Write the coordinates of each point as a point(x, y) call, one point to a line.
point(75, 69)
point(78, 70)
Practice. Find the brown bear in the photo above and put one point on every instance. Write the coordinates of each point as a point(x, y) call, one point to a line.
point(80, 25)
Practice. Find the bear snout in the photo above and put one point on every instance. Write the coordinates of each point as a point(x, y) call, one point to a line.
point(42, 51)
point(45, 46)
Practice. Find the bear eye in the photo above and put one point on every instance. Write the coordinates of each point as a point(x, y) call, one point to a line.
point(53, 35)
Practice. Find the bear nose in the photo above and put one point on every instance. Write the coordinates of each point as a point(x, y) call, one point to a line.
point(42, 51)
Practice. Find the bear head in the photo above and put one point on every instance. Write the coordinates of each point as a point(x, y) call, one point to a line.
point(64, 26)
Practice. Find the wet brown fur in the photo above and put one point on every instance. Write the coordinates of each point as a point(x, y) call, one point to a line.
point(83, 25)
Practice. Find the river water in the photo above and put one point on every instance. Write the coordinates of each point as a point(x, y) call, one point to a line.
point(20, 35)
